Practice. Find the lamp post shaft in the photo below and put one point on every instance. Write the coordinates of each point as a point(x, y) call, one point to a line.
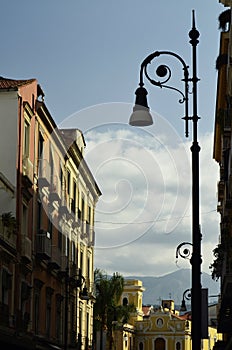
point(196, 234)
point(142, 117)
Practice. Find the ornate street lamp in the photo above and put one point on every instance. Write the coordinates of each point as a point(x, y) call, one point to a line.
point(76, 281)
point(186, 296)
point(141, 117)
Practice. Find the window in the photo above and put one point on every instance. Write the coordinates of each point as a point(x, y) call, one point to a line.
point(73, 252)
point(39, 216)
point(72, 316)
point(81, 260)
point(40, 146)
point(80, 320)
point(87, 326)
point(51, 162)
point(82, 214)
point(178, 347)
point(159, 344)
point(62, 183)
point(25, 295)
point(66, 246)
point(159, 322)
point(68, 182)
point(48, 318)
point(37, 290)
point(58, 316)
point(60, 240)
point(125, 301)
point(6, 286)
point(140, 346)
point(36, 313)
point(74, 199)
point(50, 226)
point(25, 292)
point(88, 268)
point(88, 223)
point(49, 292)
point(79, 215)
point(26, 141)
point(25, 220)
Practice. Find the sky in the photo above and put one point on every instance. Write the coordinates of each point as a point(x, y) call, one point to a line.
point(86, 56)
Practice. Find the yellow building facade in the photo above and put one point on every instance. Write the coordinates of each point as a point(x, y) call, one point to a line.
point(161, 328)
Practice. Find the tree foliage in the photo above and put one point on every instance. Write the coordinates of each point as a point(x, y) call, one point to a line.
point(107, 308)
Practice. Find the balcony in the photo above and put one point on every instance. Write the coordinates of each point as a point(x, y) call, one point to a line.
point(221, 189)
point(8, 236)
point(44, 173)
point(91, 288)
point(28, 169)
point(90, 235)
point(43, 245)
point(55, 262)
point(63, 210)
point(55, 190)
point(83, 230)
point(26, 249)
point(226, 120)
point(74, 280)
point(64, 262)
point(74, 270)
point(75, 224)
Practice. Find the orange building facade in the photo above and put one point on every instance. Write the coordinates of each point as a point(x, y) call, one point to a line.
point(47, 203)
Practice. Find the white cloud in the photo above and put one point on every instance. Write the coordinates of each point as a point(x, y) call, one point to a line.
point(146, 192)
point(145, 178)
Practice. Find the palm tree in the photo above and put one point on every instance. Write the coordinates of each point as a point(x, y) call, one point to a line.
point(106, 308)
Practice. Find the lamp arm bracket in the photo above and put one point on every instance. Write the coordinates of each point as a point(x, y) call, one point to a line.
point(187, 294)
point(164, 72)
point(185, 253)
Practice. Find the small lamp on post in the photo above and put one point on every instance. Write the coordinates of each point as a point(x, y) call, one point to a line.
point(125, 337)
point(84, 295)
point(141, 117)
point(141, 113)
point(187, 296)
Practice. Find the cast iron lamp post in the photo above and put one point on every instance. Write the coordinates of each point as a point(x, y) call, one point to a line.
point(77, 283)
point(142, 117)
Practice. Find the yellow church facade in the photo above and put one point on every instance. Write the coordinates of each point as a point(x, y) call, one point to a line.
point(161, 328)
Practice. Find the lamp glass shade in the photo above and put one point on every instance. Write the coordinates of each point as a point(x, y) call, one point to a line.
point(183, 307)
point(141, 116)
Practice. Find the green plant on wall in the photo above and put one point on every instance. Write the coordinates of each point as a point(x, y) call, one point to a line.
point(217, 264)
point(222, 251)
point(9, 222)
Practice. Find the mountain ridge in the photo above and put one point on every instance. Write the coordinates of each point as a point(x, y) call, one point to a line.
point(172, 286)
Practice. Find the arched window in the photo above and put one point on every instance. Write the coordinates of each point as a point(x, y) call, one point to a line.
point(125, 301)
point(178, 346)
point(159, 344)
point(140, 346)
